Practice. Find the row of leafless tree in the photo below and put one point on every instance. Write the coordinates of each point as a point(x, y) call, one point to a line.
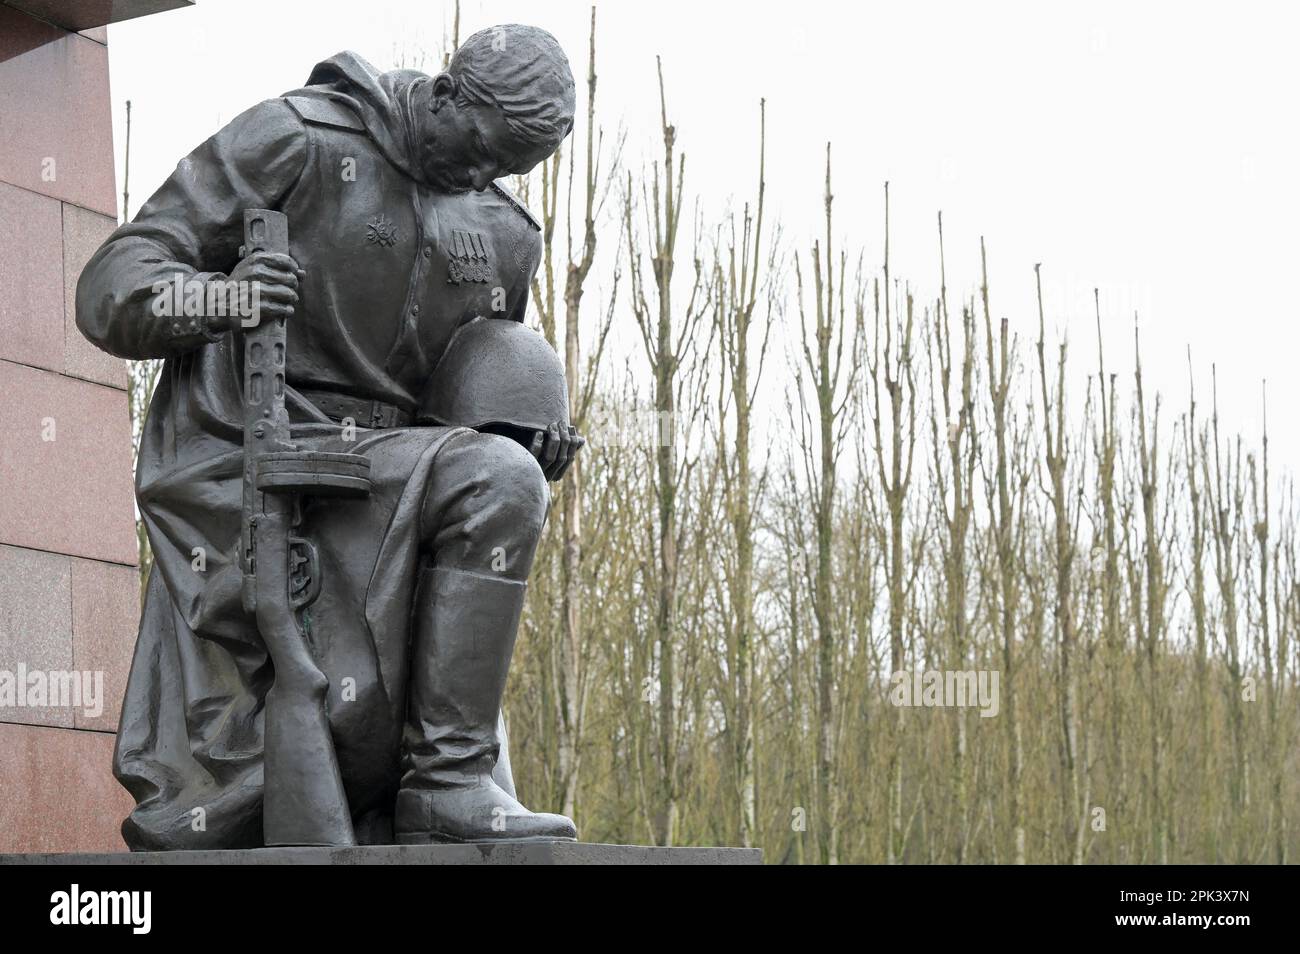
point(723, 598)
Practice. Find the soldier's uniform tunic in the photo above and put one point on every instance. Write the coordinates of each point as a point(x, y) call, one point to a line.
point(393, 267)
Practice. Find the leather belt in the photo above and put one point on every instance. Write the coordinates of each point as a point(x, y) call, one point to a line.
point(363, 411)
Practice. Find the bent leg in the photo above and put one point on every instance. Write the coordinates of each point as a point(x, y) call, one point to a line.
point(484, 513)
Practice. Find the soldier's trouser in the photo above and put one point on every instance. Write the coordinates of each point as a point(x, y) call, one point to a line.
point(484, 512)
point(484, 507)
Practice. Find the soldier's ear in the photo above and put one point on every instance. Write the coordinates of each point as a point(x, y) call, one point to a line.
point(444, 88)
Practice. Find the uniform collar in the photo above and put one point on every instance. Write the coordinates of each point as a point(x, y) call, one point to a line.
point(383, 102)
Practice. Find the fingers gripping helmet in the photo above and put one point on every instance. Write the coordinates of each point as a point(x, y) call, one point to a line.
point(496, 372)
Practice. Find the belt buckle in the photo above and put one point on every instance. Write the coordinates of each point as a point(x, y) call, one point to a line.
point(378, 415)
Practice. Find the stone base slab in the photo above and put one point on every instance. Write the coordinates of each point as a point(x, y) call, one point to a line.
point(505, 853)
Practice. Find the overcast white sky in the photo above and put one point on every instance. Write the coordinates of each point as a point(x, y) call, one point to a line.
point(1149, 149)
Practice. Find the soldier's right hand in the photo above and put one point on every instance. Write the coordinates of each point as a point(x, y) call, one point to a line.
point(276, 277)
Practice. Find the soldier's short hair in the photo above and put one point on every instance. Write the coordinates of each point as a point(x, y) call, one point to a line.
point(523, 72)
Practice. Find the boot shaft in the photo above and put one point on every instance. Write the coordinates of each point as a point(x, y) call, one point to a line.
point(465, 630)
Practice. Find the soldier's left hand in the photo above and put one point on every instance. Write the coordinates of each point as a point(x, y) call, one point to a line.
point(555, 448)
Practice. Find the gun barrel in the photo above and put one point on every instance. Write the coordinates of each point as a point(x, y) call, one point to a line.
point(266, 422)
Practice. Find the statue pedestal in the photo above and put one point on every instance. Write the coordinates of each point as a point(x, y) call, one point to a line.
point(504, 853)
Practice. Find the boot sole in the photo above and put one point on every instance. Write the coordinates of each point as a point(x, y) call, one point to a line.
point(437, 838)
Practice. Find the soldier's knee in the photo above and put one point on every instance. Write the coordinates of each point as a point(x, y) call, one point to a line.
point(486, 505)
point(512, 483)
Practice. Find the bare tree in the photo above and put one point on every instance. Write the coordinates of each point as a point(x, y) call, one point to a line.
point(741, 273)
point(668, 339)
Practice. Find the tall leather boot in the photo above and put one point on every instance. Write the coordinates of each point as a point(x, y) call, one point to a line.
point(464, 637)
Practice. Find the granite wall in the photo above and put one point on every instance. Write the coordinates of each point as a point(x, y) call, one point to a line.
point(68, 580)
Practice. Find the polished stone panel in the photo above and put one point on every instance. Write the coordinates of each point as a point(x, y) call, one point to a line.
point(66, 459)
point(57, 791)
point(31, 278)
point(83, 233)
point(87, 14)
point(69, 592)
point(55, 106)
point(35, 627)
point(105, 617)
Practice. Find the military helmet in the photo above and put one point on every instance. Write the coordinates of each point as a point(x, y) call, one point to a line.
point(497, 372)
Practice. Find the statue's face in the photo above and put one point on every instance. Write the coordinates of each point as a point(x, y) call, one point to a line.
point(466, 146)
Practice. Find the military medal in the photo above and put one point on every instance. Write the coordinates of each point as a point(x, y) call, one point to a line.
point(467, 258)
point(380, 231)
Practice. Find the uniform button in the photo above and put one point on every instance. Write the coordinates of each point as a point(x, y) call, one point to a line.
point(415, 309)
point(428, 250)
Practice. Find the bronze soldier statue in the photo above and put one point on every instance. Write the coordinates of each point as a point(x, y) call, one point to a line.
point(399, 235)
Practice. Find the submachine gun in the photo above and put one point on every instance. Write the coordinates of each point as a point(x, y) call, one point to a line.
point(304, 801)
